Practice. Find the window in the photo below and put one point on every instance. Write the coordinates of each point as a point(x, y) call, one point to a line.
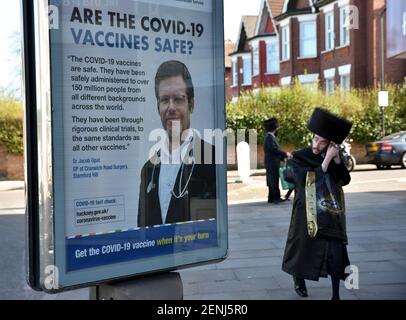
point(247, 71)
point(345, 83)
point(329, 21)
point(330, 86)
point(286, 81)
point(344, 26)
point(285, 43)
point(255, 56)
point(308, 40)
point(235, 73)
point(404, 24)
point(311, 86)
point(345, 77)
point(309, 81)
point(272, 57)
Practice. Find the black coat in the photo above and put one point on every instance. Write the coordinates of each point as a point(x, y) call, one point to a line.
point(306, 257)
point(273, 156)
point(200, 196)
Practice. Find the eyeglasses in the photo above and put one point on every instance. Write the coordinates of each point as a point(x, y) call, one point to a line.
point(177, 100)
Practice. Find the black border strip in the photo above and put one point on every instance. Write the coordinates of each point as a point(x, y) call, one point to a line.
point(31, 145)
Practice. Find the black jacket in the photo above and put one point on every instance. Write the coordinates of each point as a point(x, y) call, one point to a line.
point(305, 257)
point(273, 156)
point(197, 203)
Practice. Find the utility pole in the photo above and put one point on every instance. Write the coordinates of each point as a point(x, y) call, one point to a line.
point(382, 105)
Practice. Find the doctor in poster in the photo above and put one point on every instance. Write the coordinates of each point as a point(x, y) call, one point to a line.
point(175, 183)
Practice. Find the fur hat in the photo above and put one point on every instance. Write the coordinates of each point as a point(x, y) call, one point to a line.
point(271, 124)
point(328, 125)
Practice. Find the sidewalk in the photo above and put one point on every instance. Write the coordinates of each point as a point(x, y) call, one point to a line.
point(257, 235)
point(11, 185)
point(257, 238)
point(376, 222)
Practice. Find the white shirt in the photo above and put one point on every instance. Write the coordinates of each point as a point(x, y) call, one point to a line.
point(170, 165)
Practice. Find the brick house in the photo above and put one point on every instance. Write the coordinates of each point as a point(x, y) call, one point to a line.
point(241, 71)
point(255, 60)
point(334, 43)
point(228, 49)
point(264, 46)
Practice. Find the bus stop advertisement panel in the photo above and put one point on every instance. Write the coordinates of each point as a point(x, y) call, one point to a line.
point(121, 106)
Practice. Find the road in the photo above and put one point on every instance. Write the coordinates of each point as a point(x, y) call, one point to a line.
point(376, 218)
point(365, 179)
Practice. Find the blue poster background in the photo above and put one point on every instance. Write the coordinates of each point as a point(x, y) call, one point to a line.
point(121, 246)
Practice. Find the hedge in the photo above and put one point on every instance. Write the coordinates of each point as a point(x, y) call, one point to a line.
point(293, 105)
point(11, 125)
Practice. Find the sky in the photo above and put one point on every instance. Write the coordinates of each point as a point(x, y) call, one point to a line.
point(10, 24)
point(233, 10)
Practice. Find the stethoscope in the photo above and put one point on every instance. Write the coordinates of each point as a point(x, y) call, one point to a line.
point(181, 191)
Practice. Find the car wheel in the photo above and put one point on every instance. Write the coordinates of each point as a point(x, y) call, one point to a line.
point(379, 167)
point(403, 161)
point(387, 167)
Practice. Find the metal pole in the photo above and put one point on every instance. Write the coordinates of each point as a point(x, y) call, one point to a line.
point(383, 67)
point(164, 286)
point(383, 121)
point(382, 51)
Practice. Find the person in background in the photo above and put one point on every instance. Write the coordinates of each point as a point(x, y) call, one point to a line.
point(308, 254)
point(273, 156)
point(288, 194)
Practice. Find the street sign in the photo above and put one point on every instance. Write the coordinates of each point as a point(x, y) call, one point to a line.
point(119, 96)
point(383, 99)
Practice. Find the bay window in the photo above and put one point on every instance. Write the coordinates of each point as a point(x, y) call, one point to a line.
point(308, 39)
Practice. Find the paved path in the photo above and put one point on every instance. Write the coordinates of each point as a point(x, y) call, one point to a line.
point(376, 218)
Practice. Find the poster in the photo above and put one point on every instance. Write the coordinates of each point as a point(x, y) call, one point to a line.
point(134, 86)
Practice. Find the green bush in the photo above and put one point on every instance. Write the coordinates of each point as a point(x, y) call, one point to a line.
point(293, 105)
point(11, 125)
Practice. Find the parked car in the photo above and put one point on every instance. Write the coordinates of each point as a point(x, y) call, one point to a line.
point(389, 151)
